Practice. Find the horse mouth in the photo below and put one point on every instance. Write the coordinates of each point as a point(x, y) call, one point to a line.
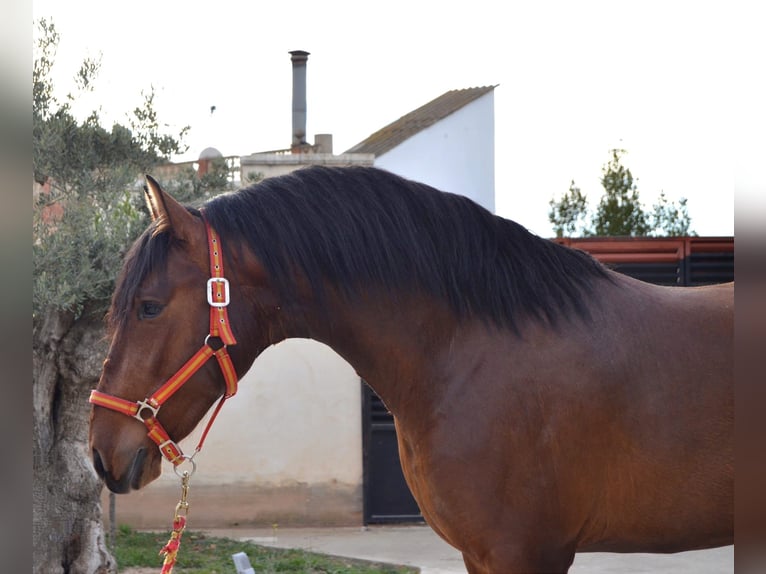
point(132, 479)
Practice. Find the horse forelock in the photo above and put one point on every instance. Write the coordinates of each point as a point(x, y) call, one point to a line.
point(357, 228)
point(148, 253)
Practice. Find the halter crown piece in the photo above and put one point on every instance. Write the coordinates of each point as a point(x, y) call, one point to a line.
point(215, 345)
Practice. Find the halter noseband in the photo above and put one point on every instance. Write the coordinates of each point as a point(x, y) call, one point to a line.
point(215, 345)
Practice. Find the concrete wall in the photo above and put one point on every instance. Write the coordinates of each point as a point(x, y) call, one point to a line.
point(456, 154)
point(274, 164)
point(286, 449)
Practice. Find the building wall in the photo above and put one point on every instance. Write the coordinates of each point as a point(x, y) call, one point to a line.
point(286, 449)
point(456, 154)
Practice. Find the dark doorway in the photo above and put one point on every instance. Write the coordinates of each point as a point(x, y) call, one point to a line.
point(387, 499)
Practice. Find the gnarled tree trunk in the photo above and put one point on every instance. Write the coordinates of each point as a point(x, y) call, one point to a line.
point(68, 535)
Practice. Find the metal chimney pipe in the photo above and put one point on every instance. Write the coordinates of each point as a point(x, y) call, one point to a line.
point(299, 58)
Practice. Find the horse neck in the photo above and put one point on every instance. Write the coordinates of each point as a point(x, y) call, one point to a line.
point(394, 344)
point(390, 339)
point(390, 342)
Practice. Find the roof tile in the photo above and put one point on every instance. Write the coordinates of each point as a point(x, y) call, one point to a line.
point(417, 120)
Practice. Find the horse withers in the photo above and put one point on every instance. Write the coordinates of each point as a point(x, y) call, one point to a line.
point(544, 405)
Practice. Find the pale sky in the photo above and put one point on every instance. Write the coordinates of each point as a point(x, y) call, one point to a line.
point(574, 80)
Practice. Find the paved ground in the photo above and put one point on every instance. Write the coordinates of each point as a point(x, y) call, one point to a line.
point(420, 546)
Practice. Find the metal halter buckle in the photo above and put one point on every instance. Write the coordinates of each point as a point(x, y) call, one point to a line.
point(211, 285)
point(146, 404)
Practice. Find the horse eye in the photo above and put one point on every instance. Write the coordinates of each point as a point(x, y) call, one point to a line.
point(150, 309)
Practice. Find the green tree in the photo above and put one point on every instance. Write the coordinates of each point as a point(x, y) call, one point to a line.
point(87, 210)
point(619, 211)
point(673, 220)
point(569, 214)
point(190, 187)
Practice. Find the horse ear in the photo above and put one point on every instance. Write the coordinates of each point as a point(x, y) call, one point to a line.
point(153, 196)
point(166, 211)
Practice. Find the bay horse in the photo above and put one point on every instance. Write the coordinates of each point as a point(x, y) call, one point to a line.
point(544, 404)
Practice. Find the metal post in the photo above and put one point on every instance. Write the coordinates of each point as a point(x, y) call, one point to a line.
point(112, 522)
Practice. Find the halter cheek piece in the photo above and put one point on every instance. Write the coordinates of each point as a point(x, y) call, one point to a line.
point(215, 345)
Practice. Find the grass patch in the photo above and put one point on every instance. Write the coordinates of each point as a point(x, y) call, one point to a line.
point(201, 554)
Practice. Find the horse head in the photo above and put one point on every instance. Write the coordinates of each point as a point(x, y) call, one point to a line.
point(160, 316)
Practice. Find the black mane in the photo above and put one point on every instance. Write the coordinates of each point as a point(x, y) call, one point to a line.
point(358, 228)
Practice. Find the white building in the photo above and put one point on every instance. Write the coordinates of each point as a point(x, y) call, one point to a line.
point(449, 143)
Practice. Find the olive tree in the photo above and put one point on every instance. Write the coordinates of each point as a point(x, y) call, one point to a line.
point(87, 211)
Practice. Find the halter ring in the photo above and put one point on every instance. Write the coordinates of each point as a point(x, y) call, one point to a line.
point(210, 338)
point(189, 459)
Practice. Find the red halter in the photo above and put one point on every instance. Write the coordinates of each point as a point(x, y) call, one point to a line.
point(220, 331)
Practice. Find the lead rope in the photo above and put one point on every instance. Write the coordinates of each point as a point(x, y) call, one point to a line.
point(170, 550)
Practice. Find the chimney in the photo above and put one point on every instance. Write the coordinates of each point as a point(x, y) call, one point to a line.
point(299, 58)
point(323, 143)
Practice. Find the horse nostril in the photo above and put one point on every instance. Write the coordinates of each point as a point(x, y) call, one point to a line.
point(137, 467)
point(98, 464)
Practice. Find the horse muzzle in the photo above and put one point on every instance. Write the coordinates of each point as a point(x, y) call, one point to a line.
point(132, 478)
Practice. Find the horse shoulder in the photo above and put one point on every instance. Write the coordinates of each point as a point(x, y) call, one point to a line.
point(485, 461)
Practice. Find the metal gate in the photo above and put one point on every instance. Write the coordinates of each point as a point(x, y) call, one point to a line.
point(683, 261)
point(387, 499)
